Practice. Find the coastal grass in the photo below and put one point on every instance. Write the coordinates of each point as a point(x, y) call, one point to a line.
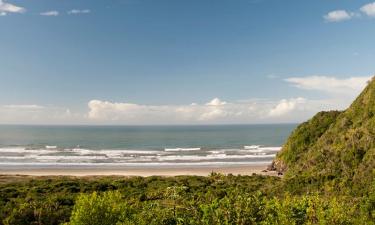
point(215, 199)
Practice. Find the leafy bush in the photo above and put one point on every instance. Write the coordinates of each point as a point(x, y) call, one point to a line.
point(107, 208)
point(42, 212)
point(216, 199)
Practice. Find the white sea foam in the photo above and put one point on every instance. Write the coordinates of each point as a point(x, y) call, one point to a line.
point(199, 157)
point(225, 150)
point(134, 164)
point(217, 151)
point(13, 149)
point(251, 146)
point(270, 148)
point(126, 152)
point(181, 149)
point(114, 151)
point(181, 156)
point(261, 149)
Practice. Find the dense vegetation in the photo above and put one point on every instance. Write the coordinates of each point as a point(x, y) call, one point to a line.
point(329, 167)
point(216, 199)
point(50, 200)
point(333, 150)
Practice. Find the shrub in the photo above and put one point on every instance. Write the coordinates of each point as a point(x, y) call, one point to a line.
point(107, 208)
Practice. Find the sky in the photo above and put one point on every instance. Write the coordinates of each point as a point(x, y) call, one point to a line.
point(136, 62)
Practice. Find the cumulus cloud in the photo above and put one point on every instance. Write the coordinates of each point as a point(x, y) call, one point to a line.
point(114, 111)
point(215, 111)
point(213, 114)
point(333, 85)
point(50, 13)
point(338, 93)
point(79, 11)
point(369, 9)
point(338, 16)
point(286, 106)
point(342, 15)
point(6, 8)
point(216, 102)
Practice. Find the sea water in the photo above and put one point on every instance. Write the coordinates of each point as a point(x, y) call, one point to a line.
point(141, 146)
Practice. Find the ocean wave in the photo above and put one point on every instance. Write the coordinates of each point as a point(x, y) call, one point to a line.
point(181, 149)
point(271, 148)
point(133, 164)
point(138, 158)
point(217, 157)
point(262, 149)
point(251, 147)
point(124, 156)
point(198, 157)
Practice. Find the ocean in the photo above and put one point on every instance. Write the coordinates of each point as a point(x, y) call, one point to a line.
point(141, 146)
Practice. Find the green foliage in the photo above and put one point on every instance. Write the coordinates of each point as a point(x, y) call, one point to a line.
point(42, 212)
point(304, 137)
point(158, 199)
point(368, 205)
point(234, 208)
point(334, 151)
point(107, 208)
point(309, 210)
point(216, 199)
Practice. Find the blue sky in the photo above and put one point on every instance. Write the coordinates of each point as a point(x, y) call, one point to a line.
point(147, 61)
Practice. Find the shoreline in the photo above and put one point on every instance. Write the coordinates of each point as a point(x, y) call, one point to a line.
point(143, 172)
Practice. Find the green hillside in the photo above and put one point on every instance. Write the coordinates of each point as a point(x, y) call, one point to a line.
point(334, 150)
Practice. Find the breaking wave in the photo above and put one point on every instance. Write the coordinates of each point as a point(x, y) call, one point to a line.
point(53, 155)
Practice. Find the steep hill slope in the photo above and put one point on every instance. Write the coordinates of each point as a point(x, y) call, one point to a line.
point(336, 149)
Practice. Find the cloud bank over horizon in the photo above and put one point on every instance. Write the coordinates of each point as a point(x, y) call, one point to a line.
point(332, 85)
point(340, 92)
point(214, 111)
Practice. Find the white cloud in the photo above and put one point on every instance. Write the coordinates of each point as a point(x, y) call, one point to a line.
point(50, 13)
point(216, 102)
point(346, 86)
point(369, 9)
point(24, 107)
point(215, 111)
point(339, 92)
point(286, 106)
point(79, 11)
point(113, 111)
point(338, 16)
point(6, 8)
point(213, 114)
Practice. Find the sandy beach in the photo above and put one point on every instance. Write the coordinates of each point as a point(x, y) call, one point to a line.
point(131, 171)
